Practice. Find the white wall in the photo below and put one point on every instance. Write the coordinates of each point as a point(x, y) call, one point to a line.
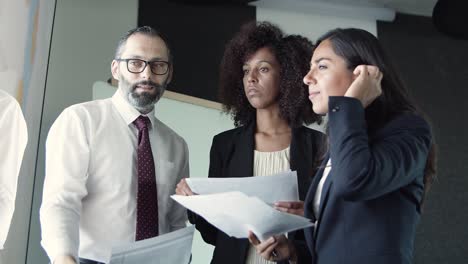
point(312, 22)
point(312, 25)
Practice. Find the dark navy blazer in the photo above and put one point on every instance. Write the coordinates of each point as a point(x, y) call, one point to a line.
point(232, 155)
point(369, 207)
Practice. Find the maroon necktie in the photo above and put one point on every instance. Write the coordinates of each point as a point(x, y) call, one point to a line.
point(147, 197)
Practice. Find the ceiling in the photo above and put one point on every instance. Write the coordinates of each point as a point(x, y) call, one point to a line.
point(415, 7)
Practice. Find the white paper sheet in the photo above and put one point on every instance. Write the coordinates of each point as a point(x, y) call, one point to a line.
point(174, 248)
point(270, 189)
point(236, 213)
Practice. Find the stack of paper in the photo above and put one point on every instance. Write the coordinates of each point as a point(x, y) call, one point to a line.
point(236, 213)
point(174, 248)
point(270, 189)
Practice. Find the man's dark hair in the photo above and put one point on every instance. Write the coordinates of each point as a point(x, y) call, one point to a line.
point(146, 30)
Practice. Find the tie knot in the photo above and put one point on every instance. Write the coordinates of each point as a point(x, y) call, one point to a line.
point(141, 122)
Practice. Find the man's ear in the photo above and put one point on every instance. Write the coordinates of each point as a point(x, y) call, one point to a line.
point(115, 69)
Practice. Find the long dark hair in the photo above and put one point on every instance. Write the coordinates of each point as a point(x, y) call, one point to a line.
point(356, 47)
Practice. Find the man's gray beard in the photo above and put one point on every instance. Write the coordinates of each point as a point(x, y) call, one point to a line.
point(143, 102)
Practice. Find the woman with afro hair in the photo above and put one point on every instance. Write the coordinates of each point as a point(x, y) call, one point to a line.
point(261, 87)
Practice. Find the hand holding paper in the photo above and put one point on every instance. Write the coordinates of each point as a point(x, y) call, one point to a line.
point(236, 213)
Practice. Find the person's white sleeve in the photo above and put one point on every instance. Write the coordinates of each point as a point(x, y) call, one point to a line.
point(13, 139)
point(67, 159)
point(178, 214)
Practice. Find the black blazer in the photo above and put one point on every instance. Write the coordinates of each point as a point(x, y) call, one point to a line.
point(231, 155)
point(369, 206)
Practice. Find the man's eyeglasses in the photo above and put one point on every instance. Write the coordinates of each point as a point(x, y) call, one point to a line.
point(138, 66)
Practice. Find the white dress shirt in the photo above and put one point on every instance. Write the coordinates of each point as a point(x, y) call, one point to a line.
point(267, 163)
point(13, 139)
point(90, 188)
point(318, 193)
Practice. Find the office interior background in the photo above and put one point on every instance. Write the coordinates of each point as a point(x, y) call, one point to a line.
point(55, 53)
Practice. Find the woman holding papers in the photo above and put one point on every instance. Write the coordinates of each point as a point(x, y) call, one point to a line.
point(261, 87)
point(366, 199)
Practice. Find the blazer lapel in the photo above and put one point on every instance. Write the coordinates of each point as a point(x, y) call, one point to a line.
point(241, 164)
point(324, 199)
point(301, 160)
point(309, 204)
point(325, 191)
point(313, 189)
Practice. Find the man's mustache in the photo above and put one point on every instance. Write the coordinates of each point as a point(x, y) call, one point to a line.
point(146, 83)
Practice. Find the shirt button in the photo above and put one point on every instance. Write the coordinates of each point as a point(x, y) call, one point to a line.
point(335, 109)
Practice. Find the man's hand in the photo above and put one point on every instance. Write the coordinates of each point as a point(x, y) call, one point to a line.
point(183, 188)
point(65, 260)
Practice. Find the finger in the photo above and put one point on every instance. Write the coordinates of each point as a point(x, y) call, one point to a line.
point(185, 187)
point(380, 76)
point(361, 74)
point(179, 190)
point(298, 211)
point(268, 254)
point(282, 209)
point(359, 69)
point(283, 204)
point(373, 70)
point(365, 70)
point(269, 250)
point(188, 191)
point(253, 239)
point(265, 245)
point(297, 205)
point(290, 204)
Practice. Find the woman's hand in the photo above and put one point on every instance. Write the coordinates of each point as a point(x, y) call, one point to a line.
point(366, 87)
point(292, 207)
point(183, 188)
point(276, 248)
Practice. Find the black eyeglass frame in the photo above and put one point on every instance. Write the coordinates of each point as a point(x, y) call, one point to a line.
point(146, 64)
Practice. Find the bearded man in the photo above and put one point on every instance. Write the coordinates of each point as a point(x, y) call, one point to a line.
point(111, 165)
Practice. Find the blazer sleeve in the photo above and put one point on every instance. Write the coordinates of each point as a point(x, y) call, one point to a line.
point(208, 231)
point(302, 251)
point(365, 169)
point(305, 150)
